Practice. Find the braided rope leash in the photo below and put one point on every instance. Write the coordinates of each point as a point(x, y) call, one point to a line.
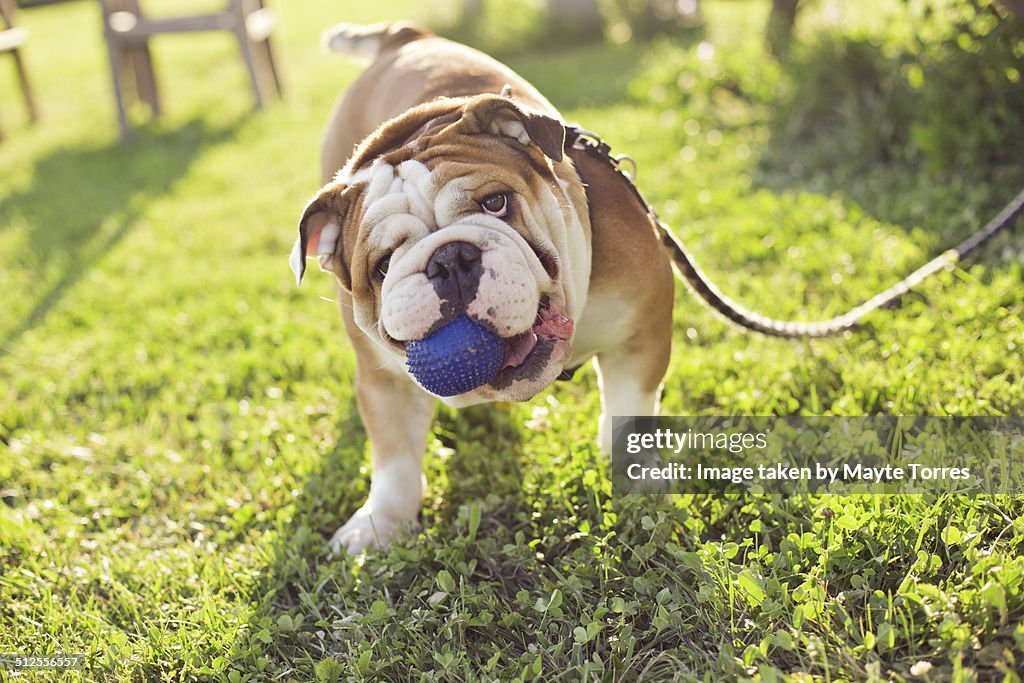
point(789, 329)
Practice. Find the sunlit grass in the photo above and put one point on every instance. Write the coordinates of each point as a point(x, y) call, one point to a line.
point(178, 425)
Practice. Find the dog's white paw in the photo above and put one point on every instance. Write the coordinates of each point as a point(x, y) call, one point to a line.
point(368, 529)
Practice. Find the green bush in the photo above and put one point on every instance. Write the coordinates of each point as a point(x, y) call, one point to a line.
point(847, 101)
point(970, 99)
point(951, 97)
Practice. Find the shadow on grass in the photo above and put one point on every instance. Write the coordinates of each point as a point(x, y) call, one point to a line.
point(83, 201)
point(312, 612)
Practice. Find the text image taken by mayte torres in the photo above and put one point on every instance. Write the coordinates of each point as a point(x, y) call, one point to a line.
point(883, 454)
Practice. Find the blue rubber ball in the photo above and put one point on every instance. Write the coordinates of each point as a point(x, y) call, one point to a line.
point(456, 358)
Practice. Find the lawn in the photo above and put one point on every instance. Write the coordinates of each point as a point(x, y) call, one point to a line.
point(178, 427)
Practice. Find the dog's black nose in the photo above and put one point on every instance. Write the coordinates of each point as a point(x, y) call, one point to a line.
point(454, 270)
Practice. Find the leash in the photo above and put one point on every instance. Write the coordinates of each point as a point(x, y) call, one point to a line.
point(698, 282)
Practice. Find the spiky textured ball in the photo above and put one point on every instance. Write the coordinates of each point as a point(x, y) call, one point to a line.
point(456, 358)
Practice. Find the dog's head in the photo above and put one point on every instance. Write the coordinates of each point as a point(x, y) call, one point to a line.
point(460, 206)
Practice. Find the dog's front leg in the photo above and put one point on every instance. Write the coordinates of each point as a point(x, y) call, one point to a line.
point(397, 415)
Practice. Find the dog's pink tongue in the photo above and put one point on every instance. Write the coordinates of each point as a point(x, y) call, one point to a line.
point(550, 324)
point(519, 348)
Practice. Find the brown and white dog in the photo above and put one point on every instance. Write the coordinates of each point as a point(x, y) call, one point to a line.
point(451, 189)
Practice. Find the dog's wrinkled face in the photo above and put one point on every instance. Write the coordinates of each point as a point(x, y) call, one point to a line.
point(460, 206)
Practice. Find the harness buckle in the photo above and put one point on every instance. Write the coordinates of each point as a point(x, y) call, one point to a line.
point(585, 140)
point(630, 161)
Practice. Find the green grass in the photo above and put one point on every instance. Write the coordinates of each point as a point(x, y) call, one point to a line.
point(179, 435)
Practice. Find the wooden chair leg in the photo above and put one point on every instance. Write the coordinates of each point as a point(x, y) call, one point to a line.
point(266, 70)
point(145, 78)
point(246, 46)
point(268, 54)
point(117, 66)
point(26, 87)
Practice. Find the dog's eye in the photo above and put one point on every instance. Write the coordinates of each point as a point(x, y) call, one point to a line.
point(382, 267)
point(496, 205)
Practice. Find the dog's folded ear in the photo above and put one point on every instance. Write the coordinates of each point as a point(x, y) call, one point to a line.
point(321, 234)
point(503, 116)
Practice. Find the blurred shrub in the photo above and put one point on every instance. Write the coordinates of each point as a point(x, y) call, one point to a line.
point(645, 19)
point(503, 27)
point(970, 98)
point(952, 97)
point(848, 101)
point(498, 27)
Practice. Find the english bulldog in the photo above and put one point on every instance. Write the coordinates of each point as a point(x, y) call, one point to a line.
point(451, 188)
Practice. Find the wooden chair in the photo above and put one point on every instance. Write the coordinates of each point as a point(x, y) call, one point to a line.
point(127, 30)
point(11, 39)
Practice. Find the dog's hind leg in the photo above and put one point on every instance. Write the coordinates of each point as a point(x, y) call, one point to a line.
point(630, 378)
